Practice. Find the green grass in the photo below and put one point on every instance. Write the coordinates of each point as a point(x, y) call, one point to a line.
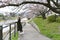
point(16, 37)
point(13, 18)
point(51, 30)
point(1, 20)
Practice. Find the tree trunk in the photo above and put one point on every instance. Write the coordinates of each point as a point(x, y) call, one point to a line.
point(43, 16)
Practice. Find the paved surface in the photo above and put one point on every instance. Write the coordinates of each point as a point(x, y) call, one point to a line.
point(31, 34)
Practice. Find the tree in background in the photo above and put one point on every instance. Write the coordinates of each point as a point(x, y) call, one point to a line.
point(49, 4)
point(38, 10)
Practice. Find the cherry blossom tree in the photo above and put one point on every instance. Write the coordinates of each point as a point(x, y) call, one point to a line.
point(49, 4)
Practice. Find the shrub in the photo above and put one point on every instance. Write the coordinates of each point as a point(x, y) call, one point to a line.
point(39, 16)
point(52, 18)
point(1, 15)
point(58, 19)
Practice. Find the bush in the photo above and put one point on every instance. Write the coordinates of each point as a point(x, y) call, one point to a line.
point(58, 19)
point(52, 18)
point(1, 15)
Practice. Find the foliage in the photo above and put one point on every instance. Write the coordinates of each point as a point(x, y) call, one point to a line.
point(50, 30)
point(12, 14)
point(58, 19)
point(1, 15)
point(16, 37)
point(46, 3)
point(51, 18)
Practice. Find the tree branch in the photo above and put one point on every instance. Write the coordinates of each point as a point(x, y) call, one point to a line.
point(25, 2)
point(55, 3)
point(33, 2)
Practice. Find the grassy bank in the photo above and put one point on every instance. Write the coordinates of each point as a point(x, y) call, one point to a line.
point(51, 30)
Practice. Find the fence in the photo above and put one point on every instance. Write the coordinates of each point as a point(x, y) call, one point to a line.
point(9, 32)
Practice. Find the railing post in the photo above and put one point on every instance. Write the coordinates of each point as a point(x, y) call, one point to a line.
point(14, 29)
point(1, 34)
point(10, 32)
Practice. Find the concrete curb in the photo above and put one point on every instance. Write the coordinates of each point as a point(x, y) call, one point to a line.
point(35, 26)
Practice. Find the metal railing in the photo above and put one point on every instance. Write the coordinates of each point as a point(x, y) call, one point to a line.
point(9, 31)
